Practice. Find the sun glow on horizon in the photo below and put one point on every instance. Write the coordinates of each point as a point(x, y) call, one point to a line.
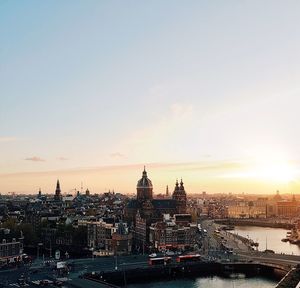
point(276, 172)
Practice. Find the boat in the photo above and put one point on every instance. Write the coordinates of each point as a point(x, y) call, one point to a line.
point(237, 275)
point(269, 251)
point(285, 240)
point(229, 227)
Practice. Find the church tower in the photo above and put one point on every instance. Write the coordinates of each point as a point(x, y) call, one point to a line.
point(57, 196)
point(144, 188)
point(179, 195)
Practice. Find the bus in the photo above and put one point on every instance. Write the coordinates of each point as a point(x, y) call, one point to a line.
point(160, 261)
point(188, 258)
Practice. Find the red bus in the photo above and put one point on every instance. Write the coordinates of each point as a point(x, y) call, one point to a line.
point(160, 261)
point(188, 258)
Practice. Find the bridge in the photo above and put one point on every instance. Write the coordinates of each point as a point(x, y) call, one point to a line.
point(281, 261)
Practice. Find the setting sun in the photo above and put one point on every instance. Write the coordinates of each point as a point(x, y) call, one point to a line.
point(276, 173)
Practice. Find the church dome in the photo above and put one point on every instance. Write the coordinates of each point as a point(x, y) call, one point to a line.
point(144, 182)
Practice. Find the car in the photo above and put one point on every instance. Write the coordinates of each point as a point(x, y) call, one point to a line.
point(153, 255)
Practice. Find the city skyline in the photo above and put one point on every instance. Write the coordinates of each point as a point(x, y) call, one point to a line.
point(91, 92)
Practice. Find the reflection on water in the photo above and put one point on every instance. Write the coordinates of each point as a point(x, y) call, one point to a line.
point(270, 237)
point(211, 282)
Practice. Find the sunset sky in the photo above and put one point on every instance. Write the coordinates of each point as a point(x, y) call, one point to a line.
point(91, 91)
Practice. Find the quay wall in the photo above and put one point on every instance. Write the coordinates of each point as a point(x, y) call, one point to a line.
point(290, 280)
point(173, 271)
point(254, 222)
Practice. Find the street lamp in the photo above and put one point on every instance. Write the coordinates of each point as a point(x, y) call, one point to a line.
point(38, 249)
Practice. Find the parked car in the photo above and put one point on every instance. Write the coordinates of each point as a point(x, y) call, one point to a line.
point(153, 255)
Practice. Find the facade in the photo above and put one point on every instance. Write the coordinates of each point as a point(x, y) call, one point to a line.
point(11, 249)
point(110, 238)
point(140, 233)
point(170, 234)
point(121, 241)
point(247, 209)
point(287, 208)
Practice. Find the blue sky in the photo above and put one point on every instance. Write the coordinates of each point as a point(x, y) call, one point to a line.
point(104, 83)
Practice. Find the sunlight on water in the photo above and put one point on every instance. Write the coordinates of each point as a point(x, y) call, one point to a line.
point(211, 282)
point(270, 237)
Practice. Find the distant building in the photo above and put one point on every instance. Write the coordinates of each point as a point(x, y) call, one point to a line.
point(57, 196)
point(153, 209)
point(247, 209)
point(287, 208)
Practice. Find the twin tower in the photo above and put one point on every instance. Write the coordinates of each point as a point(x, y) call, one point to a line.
point(145, 192)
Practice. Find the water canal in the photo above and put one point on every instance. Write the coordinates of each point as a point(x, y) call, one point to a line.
point(268, 237)
point(211, 282)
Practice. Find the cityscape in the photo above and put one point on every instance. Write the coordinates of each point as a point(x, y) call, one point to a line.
point(149, 144)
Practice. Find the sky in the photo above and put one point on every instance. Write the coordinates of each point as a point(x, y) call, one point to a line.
point(91, 91)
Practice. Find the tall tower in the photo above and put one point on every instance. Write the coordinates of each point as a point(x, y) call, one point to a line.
point(57, 196)
point(144, 188)
point(40, 193)
point(179, 195)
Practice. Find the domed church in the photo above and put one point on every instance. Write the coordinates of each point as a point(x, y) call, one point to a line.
point(152, 209)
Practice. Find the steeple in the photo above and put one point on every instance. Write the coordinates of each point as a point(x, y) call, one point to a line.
point(57, 195)
point(144, 172)
point(57, 186)
point(167, 191)
point(181, 185)
point(180, 196)
point(176, 186)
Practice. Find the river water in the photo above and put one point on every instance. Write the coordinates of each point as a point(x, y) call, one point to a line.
point(268, 237)
point(211, 282)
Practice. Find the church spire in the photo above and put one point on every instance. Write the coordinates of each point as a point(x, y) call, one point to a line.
point(57, 191)
point(57, 186)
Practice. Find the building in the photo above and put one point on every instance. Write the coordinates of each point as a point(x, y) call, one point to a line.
point(247, 209)
point(11, 249)
point(287, 209)
point(153, 209)
point(121, 241)
point(145, 210)
point(171, 234)
point(57, 196)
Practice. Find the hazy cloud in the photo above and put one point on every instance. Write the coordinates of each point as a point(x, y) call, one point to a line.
point(62, 158)
point(35, 159)
point(7, 139)
point(116, 155)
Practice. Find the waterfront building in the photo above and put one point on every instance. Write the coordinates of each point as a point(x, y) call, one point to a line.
point(247, 209)
point(288, 209)
point(172, 234)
